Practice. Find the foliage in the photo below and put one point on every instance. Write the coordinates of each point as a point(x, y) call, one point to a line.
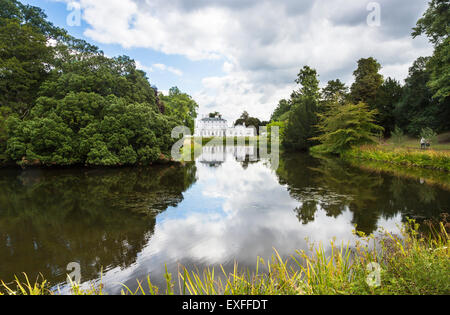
point(409, 157)
point(398, 136)
point(281, 128)
point(308, 79)
point(248, 121)
point(24, 65)
point(429, 135)
point(181, 107)
point(300, 127)
point(367, 81)
point(215, 115)
point(416, 108)
point(283, 107)
point(68, 104)
point(345, 126)
point(335, 89)
point(388, 95)
point(439, 83)
point(435, 24)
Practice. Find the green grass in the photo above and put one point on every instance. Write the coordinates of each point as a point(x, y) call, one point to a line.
point(432, 159)
point(443, 143)
point(412, 263)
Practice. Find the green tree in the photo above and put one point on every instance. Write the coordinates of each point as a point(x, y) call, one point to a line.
point(300, 127)
point(388, 95)
point(367, 81)
point(181, 107)
point(435, 24)
point(309, 81)
point(344, 126)
point(283, 107)
point(416, 108)
point(24, 65)
point(334, 89)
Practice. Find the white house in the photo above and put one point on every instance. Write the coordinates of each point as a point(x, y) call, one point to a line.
point(218, 127)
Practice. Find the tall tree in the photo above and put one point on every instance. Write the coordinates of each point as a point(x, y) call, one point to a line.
point(283, 107)
point(309, 81)
point(388, 95)
point(334, 89)
point(24, 65)
point(435, 24)
point(367, 81)
point(301, 124)
point(180, 106)
point(417, 109)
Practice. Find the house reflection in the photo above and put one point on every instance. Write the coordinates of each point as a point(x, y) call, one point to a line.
point(215, 155)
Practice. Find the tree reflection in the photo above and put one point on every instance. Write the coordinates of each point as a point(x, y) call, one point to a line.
point(99, 218)
point(333, 186)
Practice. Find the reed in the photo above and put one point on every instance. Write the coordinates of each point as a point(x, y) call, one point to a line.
point(411, 263)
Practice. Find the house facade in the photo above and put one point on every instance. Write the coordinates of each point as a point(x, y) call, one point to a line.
point(218, 127)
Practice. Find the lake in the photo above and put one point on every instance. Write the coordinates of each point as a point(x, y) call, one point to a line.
point(228, 206)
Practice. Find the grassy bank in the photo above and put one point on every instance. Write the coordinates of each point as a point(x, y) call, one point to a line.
point(439, 160)
point(409, 264)
point(427, 176)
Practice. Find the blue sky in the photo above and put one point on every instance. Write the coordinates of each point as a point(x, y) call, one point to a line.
point(236, 55)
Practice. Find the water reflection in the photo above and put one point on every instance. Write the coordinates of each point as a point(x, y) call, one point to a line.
point(227, 206)
point(99, 218)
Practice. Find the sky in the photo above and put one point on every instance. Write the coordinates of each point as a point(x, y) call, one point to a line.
point(236, 55)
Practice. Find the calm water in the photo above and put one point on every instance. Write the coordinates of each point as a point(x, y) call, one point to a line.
point(227, 206)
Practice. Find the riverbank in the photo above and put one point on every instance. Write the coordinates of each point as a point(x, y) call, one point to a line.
point(431, 159)
point(412, 263)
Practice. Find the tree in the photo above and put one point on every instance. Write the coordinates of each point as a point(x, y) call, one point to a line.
point(24, 65)
point(301, 125)
point(180, 106)
point(367, 81)
point(344, 126)
point(435, 24)
point(248, 121)
point(69, 104)
point(388, 95)
point(308, 79)
point(416, 108)
point(214, 115)
point(283, 107)
point(334, 89)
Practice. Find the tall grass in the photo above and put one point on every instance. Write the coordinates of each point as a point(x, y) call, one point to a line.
point(410, 157)
point(411, 263)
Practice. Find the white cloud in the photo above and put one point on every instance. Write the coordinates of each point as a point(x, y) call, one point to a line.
point(262, 44)
point(163, 67)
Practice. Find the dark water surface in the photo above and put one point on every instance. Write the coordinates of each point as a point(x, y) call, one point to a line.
point(221, 209)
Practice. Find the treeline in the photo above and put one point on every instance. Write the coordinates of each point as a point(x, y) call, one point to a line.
point(63, 102)
point(338, 117)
